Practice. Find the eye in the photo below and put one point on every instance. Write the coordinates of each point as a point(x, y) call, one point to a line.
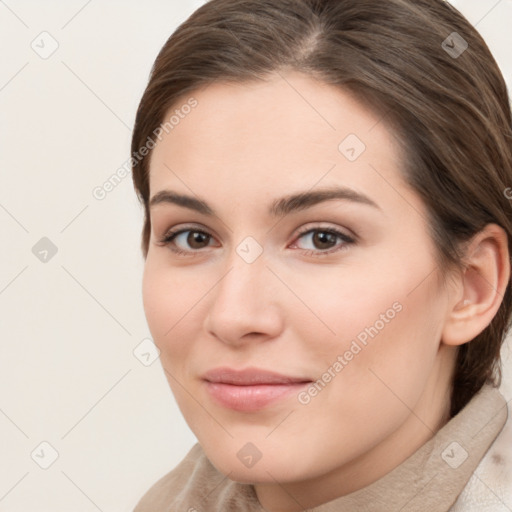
point(196, 239)
point(323, 241)
point(189, 241)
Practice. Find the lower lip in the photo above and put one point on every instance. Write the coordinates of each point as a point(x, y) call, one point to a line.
point(251, 398)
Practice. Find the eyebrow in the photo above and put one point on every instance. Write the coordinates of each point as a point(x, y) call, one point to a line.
point(282, 206)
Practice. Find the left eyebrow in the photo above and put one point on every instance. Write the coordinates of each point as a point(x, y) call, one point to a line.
point(307, 199)
point(282, 206)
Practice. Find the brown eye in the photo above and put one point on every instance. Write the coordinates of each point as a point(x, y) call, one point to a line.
point(323, 241)
point(186, 241)
point(196, 238)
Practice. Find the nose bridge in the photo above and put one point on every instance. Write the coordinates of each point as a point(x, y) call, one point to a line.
point(243, 284)
point(244, 300)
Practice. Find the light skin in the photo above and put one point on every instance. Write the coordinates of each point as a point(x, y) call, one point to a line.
point(294, 310)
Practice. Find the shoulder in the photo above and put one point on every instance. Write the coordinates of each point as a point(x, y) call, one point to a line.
point(490, 486)
point(195, 484)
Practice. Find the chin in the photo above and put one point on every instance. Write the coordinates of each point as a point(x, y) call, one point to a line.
point(264, 470)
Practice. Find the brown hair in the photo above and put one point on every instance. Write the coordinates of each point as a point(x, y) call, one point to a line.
point(450, 111)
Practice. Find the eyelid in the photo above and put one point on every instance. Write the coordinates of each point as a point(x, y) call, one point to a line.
point(322, 225)
point(347, 239)
point(310, 226)
point(174, 232)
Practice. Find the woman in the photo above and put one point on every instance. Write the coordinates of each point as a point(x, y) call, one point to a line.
point(327, 248)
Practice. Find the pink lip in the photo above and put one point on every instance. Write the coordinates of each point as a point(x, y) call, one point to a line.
point(250, 389)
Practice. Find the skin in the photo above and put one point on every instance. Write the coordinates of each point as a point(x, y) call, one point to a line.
point(295, 312)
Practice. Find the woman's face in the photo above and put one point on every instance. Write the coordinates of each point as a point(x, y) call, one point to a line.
point(265, 282)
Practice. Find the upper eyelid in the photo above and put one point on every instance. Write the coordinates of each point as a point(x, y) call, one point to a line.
point(308, 228)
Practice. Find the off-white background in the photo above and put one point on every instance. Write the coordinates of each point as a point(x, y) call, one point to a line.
point(69, 326)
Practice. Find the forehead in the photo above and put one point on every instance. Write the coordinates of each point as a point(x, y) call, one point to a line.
point(289, 131)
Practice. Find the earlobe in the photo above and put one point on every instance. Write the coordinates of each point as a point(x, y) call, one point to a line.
point(483, 284)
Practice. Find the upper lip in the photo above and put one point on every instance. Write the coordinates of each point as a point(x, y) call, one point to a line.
point(249, 376)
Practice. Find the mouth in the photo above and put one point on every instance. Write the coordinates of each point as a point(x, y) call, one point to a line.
point(250, 389)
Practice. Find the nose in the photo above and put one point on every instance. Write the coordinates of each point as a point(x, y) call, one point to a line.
point(245, 304)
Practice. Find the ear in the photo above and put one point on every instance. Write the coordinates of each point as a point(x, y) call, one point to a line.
point(480, 287)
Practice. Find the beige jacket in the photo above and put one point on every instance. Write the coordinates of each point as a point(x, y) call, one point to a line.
point(445, 474)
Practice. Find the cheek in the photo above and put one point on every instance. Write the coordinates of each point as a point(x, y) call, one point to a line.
point(372, 372)
point(169, 305)
point(375, 321)
point(338, 305)
point(157, 301)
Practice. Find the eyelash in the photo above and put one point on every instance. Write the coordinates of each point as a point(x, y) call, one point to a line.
point(168, 240)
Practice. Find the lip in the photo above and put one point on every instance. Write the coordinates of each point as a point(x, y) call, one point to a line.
point(250, 377)
point(250, 389)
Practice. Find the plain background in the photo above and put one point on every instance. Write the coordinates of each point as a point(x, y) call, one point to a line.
point(70, 325)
